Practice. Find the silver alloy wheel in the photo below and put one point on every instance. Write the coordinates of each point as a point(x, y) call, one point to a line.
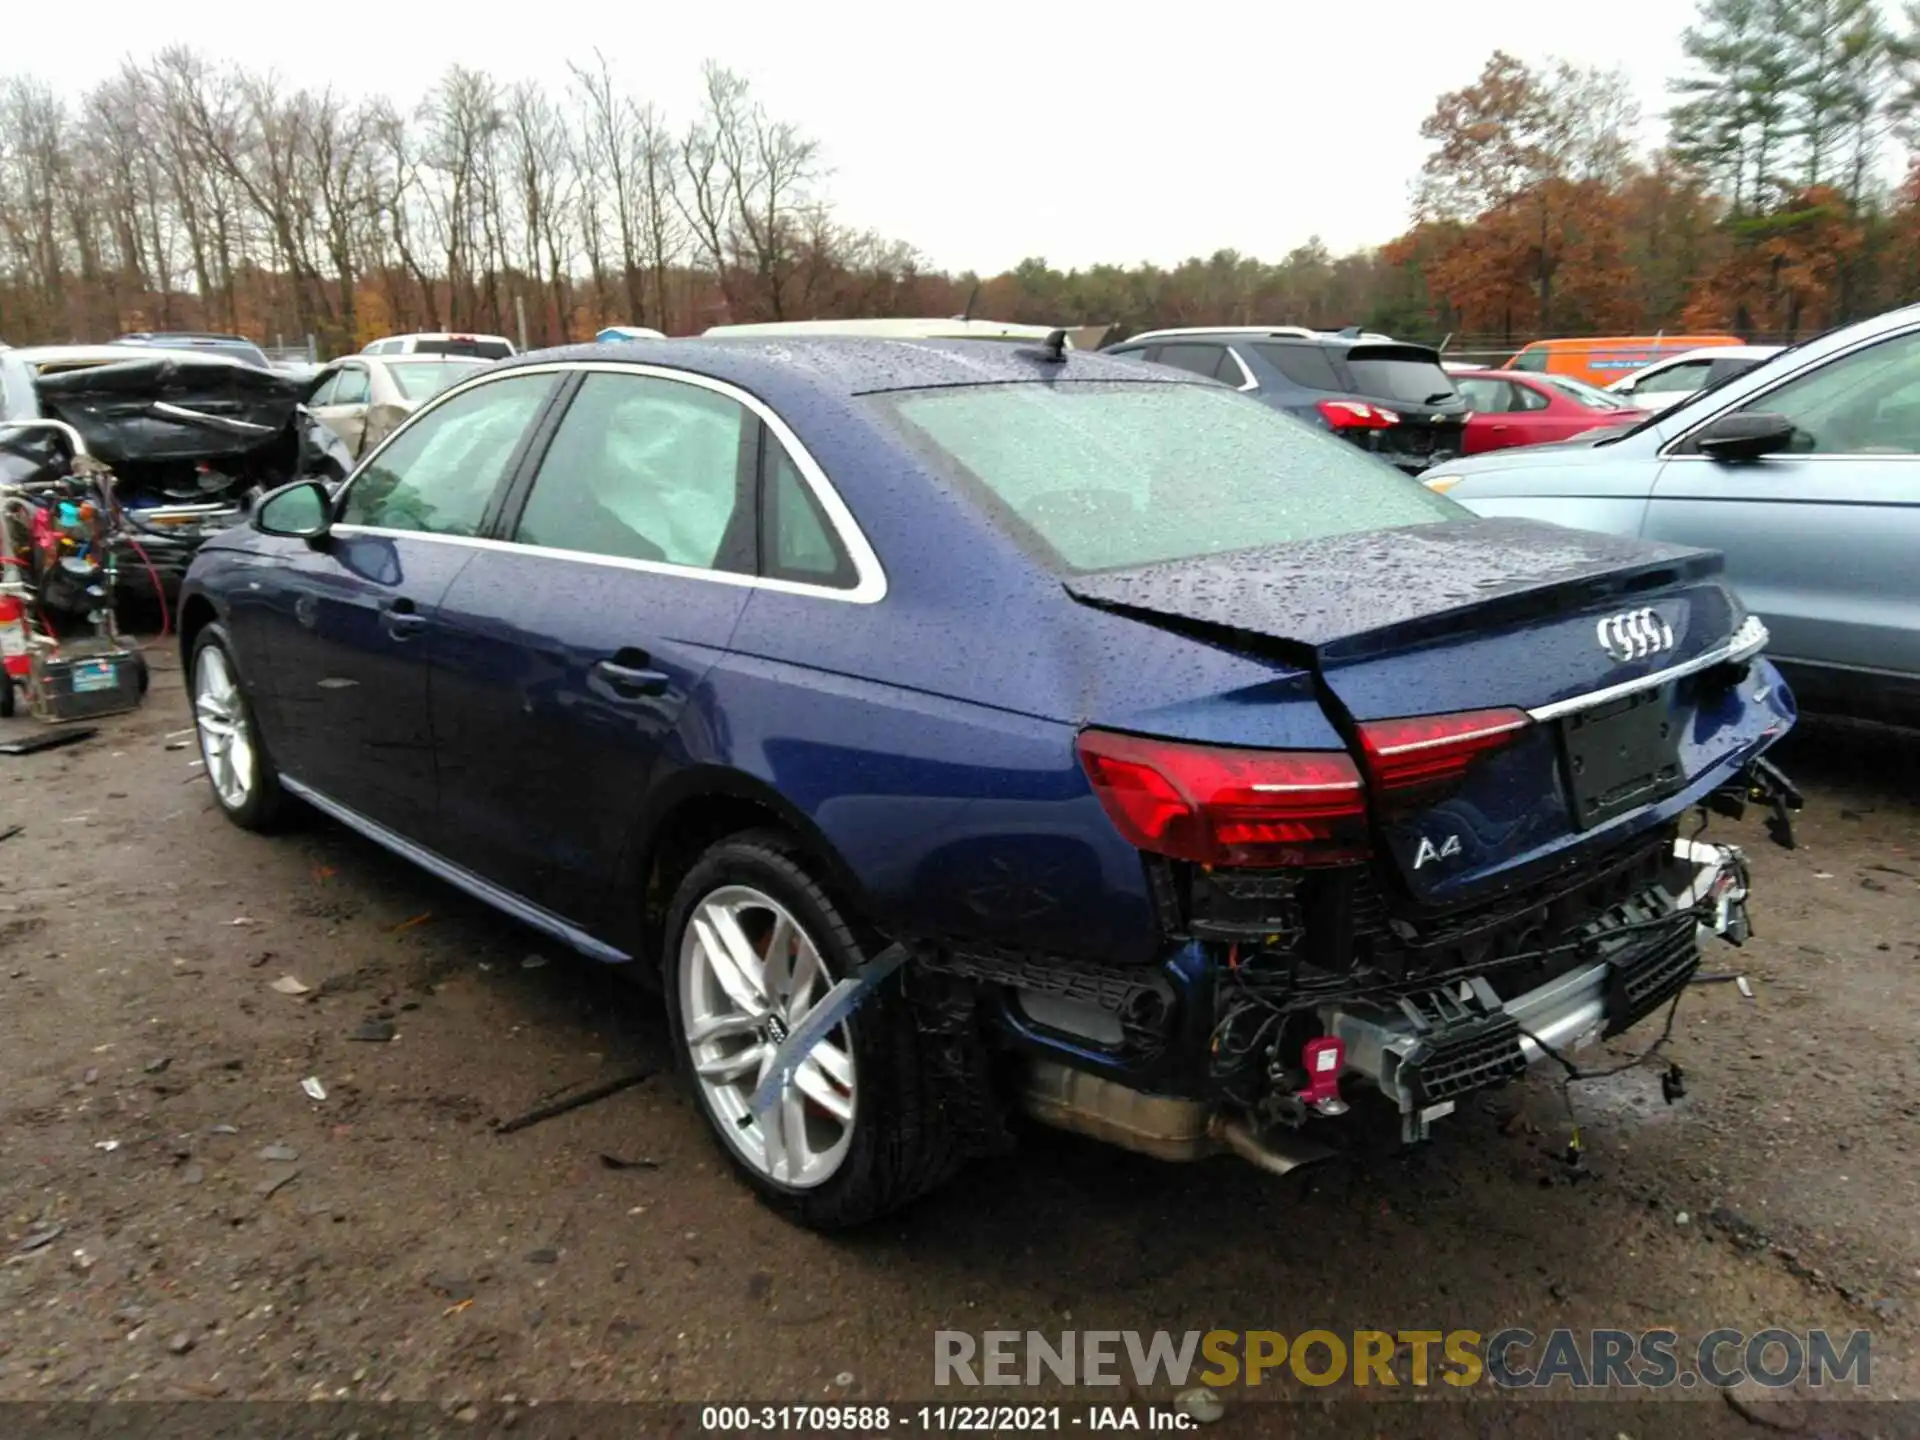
point(226, 741)
point(749, 973)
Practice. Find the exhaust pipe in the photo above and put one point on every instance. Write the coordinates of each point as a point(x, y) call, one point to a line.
point(1277, 1153)
point(1163, 1126)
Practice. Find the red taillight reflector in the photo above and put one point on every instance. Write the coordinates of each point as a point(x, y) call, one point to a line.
point(1221, 806)
point(1424, 752)
point(1357, 415)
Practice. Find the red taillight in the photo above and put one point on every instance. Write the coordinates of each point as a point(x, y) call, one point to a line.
point(1220, 806)
point(1419, 755)
point(1357, 415)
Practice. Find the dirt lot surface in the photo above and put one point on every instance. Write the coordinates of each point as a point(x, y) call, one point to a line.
point(221, 1234)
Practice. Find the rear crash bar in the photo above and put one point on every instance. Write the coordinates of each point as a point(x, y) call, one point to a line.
point(1427, 1053)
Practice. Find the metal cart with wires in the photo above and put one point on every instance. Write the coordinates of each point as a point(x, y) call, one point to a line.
point(61, 653)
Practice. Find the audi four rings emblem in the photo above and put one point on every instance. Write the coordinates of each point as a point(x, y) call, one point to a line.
point(1634, 634)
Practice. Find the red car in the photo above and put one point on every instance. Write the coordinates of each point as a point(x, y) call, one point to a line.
point(1510, 408)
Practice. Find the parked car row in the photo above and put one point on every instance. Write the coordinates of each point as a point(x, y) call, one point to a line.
point(1391, 399)
point(1802, 467)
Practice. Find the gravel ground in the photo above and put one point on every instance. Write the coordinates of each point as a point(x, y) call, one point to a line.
point(224, 1235)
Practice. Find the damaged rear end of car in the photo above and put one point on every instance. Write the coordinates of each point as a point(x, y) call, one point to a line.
point(1455, 832)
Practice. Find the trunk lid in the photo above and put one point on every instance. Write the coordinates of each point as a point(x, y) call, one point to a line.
point(1477, 615)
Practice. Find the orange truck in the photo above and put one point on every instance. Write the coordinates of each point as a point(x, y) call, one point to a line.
point(1602, 359)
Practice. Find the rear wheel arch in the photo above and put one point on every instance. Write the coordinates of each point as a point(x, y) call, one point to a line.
point(697, 808)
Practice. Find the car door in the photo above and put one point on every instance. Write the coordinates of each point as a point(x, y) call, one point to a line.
point(1521, 418)
point(575, 651)
point(352, 618)
point(1820, 541)
point(341, 404)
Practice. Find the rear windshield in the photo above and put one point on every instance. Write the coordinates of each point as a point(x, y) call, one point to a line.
point(1107, 475)
point(1589, 395)
point(418, 381)
point(480, 349)
point(241, 350)
point(1404, 375)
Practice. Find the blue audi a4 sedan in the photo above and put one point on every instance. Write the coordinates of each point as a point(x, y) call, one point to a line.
point(955, 730)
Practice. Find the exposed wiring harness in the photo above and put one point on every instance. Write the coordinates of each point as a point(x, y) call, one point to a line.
point(159, 591)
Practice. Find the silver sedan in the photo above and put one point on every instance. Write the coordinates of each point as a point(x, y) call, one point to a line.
point(364, 397)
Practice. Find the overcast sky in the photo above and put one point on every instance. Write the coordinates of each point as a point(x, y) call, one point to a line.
point(981, 132)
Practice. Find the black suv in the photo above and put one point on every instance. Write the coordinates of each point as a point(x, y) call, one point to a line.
point(1387, 397)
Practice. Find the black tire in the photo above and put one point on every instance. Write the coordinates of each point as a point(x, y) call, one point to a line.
point(266, 805)
point(902, 1145)
point(6, 696)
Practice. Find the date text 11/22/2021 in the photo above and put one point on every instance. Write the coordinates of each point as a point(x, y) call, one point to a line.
point(938, 1419)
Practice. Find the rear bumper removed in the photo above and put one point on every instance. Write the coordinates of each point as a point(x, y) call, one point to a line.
point(1425, 1053)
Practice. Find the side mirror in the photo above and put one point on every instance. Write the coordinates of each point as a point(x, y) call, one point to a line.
point(300, 511)
point(1746, 435)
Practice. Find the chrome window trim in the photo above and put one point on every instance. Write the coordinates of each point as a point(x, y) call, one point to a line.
point(1666, 449)
point(1747, 641)
point(1247, 382)
point(870, 585)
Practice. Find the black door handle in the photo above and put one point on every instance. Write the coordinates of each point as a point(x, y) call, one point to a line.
point(629, 673)
point(400, 619)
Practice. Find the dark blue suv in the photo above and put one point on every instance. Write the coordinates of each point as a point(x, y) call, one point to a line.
point(1391, 399)
point(956, 727)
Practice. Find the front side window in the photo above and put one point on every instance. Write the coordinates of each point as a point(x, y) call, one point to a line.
point(646, 469)
point(324, 395)
point(1866, 403)
point(1532, 360)
point(439, 473)
point(1105, 475)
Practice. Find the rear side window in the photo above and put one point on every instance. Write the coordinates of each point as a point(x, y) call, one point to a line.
point(351, 387)
point(1409, 376)
point(1198, 359)
point(1305, 365)
point(1097, 476)
point(1674, 380)
point(797, 543)
point(439, 474)
point(645, 469)
point(1488, 397)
